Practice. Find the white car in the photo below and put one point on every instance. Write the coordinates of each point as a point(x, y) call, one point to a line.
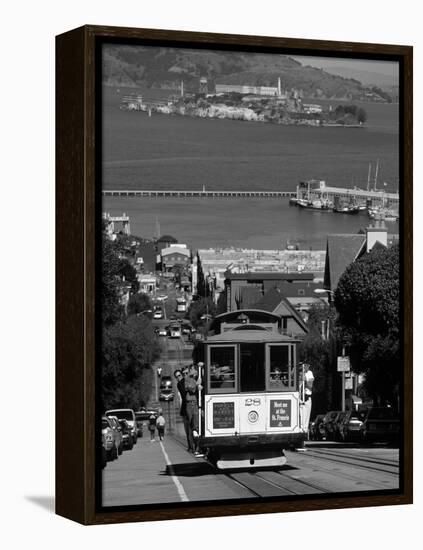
point(158, 314)
point(129, 416)
point(162, 331)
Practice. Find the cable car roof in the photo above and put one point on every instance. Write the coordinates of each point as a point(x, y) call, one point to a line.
point(252, 336)
point(254, 316)
point(230, 315)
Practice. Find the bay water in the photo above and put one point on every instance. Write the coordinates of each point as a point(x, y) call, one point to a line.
point(175, 152)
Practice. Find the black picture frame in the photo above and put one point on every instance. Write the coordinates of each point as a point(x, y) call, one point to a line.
point(77, 235)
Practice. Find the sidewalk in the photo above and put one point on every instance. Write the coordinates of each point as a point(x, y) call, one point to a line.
point(161, 472)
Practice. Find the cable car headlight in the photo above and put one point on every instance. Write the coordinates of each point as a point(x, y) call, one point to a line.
point(253, 417)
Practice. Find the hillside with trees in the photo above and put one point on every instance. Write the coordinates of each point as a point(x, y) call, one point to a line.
point(150, 67)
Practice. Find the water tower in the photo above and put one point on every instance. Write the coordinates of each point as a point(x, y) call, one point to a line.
point(203, 85)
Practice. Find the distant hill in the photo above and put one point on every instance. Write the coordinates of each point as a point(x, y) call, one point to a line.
point(139, 66)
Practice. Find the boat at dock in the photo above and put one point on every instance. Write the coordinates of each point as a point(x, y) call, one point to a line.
point(318, 204)
point(388, 214)
point(346, 209)
point(312, 190)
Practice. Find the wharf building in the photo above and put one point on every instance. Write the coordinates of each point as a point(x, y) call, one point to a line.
point(311, 190)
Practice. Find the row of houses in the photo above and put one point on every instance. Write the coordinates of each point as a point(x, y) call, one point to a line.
point(240, 279)
point(239, 288)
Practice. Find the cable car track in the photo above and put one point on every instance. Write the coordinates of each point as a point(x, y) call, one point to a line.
point(287, 487)
point(340, 453)
point(287, 482)
point(359, 462)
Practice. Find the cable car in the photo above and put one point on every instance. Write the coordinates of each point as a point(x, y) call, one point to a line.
point(250, 406)
point(175, 331)
point(181, 304)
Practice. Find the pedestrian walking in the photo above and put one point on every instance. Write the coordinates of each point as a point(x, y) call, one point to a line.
point(160, 423)
point(152, 427)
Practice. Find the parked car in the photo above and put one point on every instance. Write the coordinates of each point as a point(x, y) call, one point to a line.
point(109, 438)
point(129, 416)
point(103, 451)
point(158, 314)
point(127, 436)
point(166, 382)
point(162, 331)
point(118, 433)
point(380, 424)
point(350, 426)
point(166, 395)
point(144, 414)
point(316, 429)
point(328, 425)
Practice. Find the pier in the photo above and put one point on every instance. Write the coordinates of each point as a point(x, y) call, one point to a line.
point(310, 190)
point(196, 193)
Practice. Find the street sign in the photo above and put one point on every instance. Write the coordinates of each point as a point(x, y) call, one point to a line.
point(348, 383)
point(344, 364)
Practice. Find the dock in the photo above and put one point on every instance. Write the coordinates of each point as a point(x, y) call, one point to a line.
point(315, 189)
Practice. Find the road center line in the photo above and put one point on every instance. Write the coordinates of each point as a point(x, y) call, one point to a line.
point(175, 479)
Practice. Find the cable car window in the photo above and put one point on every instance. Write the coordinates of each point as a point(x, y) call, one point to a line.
point(279, 368)
point(222, 369)
point(252, 368)
point(281, 372)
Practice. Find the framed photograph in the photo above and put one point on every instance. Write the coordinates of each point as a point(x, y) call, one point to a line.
point(234, 275)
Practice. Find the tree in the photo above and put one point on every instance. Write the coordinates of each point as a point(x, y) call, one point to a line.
point(111, 307)
point(127, 272)
point(361, 116)
point(139, 302)
point(128, 350)
point(367, 300)
point(115, 269)
point(319, 349)
point(201, 308)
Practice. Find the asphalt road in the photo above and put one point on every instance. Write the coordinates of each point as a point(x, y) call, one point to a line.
point(163, 472)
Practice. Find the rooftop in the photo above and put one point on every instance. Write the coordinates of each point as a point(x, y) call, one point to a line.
point(341, 251)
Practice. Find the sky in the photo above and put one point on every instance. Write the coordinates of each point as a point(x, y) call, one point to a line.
point(380, 73)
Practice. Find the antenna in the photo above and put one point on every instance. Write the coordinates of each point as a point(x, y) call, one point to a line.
point(368, 176)
point(157, 229)
point(377, 170)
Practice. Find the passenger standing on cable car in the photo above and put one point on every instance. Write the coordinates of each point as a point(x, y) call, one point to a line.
point(180, 384)
point(192, 388)
point(308, 381)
